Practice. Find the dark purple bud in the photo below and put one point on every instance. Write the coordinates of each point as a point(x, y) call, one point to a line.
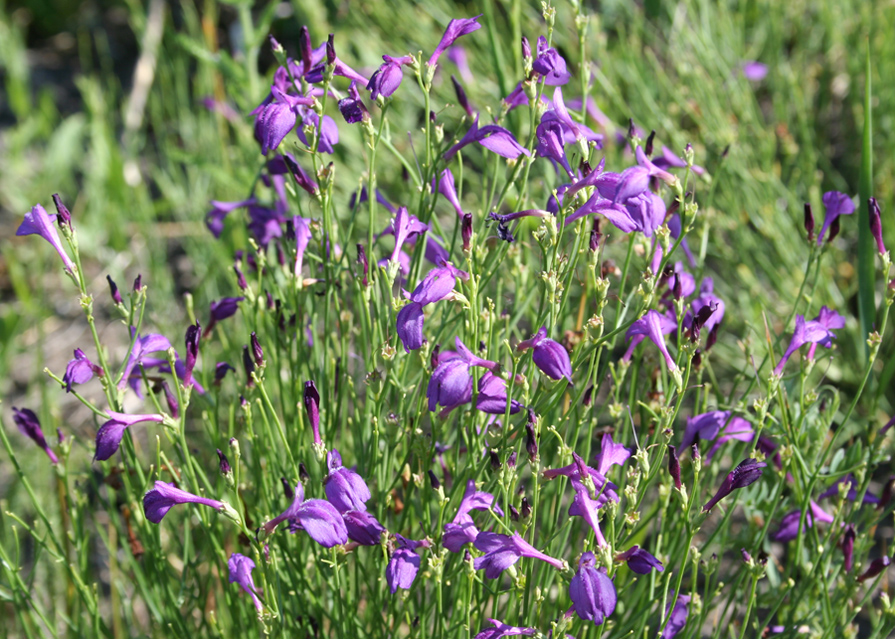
point(220, 371)
point(330, 50)
point(648, 147)
point(632, 129)
point(29, 426)
point(364, 264)
point(511, 460)
point(875, 568)
point(495, 460)
point(433, 357)
point(588, 398)
point(303, 473)
point(462, 100)
point(525, 509)
point(271, 302)
point(243, 402)
point(257, 351)
point(64, 217)
point(746, 473)
point(60, 436)
point(526, 48)
point(466, 230)
point(433, 480)
point(113, 287)
point(138, 283)
point(712, 338)
point(809, 222)
point(240, 279)
point(834, 229)
point(302, 178)
point(746, 556)
point(585, 168)
point(249, 364)
point(193, 336)
point(531, 441)
point(876, 225)
point(304, 49)
point(275, 46)
point(595, 236)
point(432, 117)
point(170, 399)
point(886, 496)
point(697, 360)
point(694, 451)
point(312, 405)
point(640, 561)
point(674, 467)
point(678, 290)
point(848, 546)
point(224, 463)
point(287, 489)
point(514, 514)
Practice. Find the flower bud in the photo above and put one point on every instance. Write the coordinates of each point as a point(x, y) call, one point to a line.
point(595, 236)
point(312, 406)
point(834, 229)
point(249, 365)
point(466, 230)
point(531, 441)
point(240, 278)
point(113, 287)
point(809, 222)
point(138, 283)
point(224, 463)
point(305, 48)
point(648, 147)
point(674, 467)
point(330, 50)
point(525, 509)
point(287, 488)
point(526, 48)
point(433, 480)
point(747, 558)
point(511, 460)
point(257, 351)
point(848, 546)
point(433, 356)
point(170, 399)
point(876, 225)
point(514, 514)
point(365, 266)
point(462, 100)
point(303, 473)
point(64, 217)
point(875, 568)
point(495, 460)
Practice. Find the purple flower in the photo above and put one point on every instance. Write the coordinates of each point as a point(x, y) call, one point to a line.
point(746, 473)
point(222, 309)
point(852, 493)
point(38, 222)
point(352, 108)
point(404, 563)
point(848, 546)
point(448, 190)
point(550, 356)
point(113, 291)
point(328, 132)
point(363, 527)
point(462, 530)
point(574, 131)
point(640, 561)
point(345, 489)
point(503, 630)
point(108, 437)
point(592, 591)
point(214, 219)
point(159, 500)
point(678, 618)
point(302, 238)
point(650, 325)
point(317, 517)
point(611, 454)
point(585, 507)
point(492, 396)
point(436, 286)
point(502, 551)
point(550, 143)
point(754, 71)
point(80, 370)
point(577, 470)
point(458, 88)
point(708, 426)
point(707, 299)
point(277, 119)
point(835, 204)
point(550, 65)
point(456, 28)
point(241, 573)
point(387, 78)
point(668, 160)
point(816, 331)
point(29, 426)
point(142, 347)
point(492, 137)
point(451, 383)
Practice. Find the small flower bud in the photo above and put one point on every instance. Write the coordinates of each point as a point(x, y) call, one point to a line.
point(113, 287)
point(138, 283)
point(240, 279)
point(747, 558)
point(511, 460)
point(330, 50)
point(809, 222)
point(305, 48)
point(674, 467)
point(462, 100)
point(526, 48)
point(312, 406)
point(365, 266)
point(875, 568)
point(876, 225)
point(886, 495)
point(170, 399)
point(712, 338)
point(275, 46)
point(848, 546)
point(433, 356)
point(648, 147)
point(466, 230)
point(678, 290)
point(834, 229)
point(525, 509)
point(595, 236)
point(303, 474)
point(495, 460)
point(514, 514)
point(531, 441)
point(249, 365)
point(287, 488)
point(433, 480)
point(64, 217)
point(224, 463)
point(257, 351)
